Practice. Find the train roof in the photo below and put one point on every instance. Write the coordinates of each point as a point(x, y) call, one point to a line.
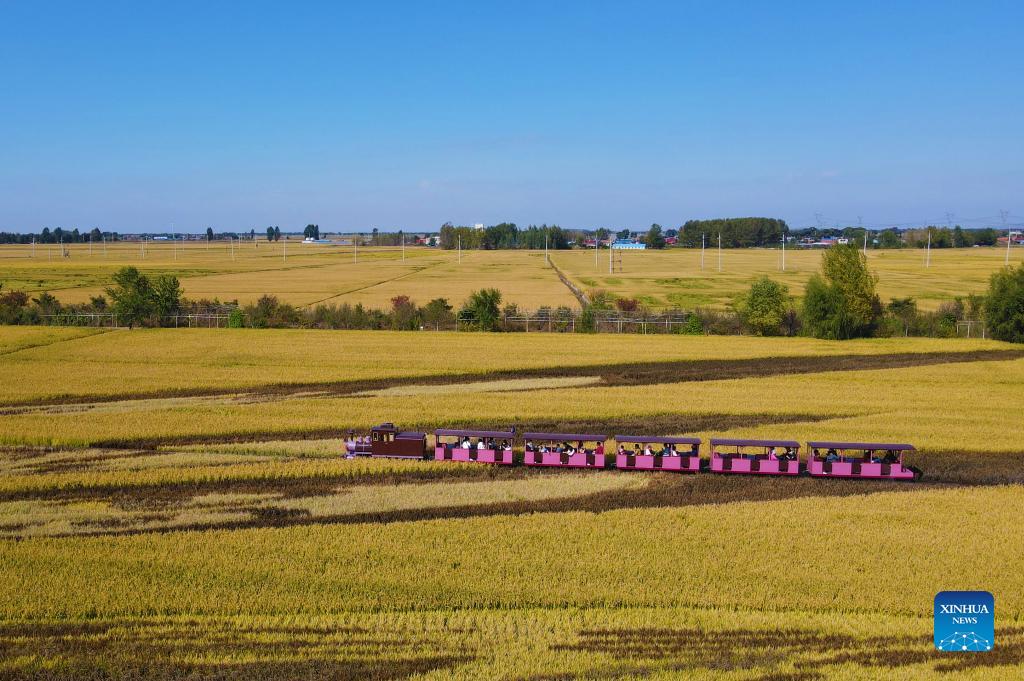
point(660, 440)
point(884, 446)
point(441, 432)
point(410, 435)
point(730, 442)
point(565, 436)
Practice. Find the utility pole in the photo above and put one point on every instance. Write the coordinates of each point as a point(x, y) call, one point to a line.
point(719, 251)
point(284, 252)
point(783, 252)
point(928, 250)
point(547, 261)
point(1002, 216)
point(460, 249)
point(702, 252)
point(33, 247)
point(611, 248)
point(403, 246)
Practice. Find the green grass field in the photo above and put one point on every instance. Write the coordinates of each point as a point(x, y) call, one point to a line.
point(173, 505)
point(315, 273)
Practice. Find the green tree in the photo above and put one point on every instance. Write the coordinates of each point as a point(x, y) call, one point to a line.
point(654, 238)
point(166, 295)
point(277, 233)
point(437, 313)
point(841, 303)
point(131, 296)
point(209, 233)
point(483, 309)
point(1004, 305)
point(404, 314)
point(270, 233)
point(764, 307)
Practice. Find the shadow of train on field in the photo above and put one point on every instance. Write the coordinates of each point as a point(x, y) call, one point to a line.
point(176, 650)
point(776, 655)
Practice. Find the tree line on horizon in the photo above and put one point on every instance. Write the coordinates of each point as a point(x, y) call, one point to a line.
point(746, 232)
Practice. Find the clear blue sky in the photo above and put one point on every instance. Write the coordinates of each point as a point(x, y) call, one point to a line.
point(133, 116)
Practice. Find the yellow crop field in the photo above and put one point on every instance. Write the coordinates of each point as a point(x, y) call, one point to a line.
point(674, 278)
point(309, 274)
point(174, 503)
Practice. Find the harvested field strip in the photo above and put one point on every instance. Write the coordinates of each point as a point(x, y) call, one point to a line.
point(621, 374)
point(601, 643)
point(125, 515)
point(729, 556)
point(182, 362)
point(354, 503)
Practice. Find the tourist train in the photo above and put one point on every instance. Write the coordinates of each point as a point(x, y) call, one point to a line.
point(826, 459)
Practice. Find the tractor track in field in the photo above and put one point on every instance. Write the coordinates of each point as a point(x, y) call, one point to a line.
point(415, 270)
point(33, 346)
point(606, 375)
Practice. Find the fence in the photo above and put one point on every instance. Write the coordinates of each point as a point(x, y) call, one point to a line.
point(110, 320)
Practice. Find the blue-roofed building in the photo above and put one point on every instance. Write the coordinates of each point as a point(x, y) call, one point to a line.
point(628, 243)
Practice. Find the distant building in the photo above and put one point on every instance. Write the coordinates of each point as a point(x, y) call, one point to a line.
point(478, 225)
point(628, 244)
point(1017, 238)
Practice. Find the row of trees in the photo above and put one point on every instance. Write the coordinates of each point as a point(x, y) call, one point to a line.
point(58, 236)
point(736, 232)
point(134, 298)
point(841, 302)
point(505, 236)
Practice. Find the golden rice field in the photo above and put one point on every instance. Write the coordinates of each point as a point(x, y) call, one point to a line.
point(173, 505)
point(310, 274)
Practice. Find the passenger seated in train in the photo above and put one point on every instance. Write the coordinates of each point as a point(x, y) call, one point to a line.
point(599, 449)
point(694, 450)
point(832, 455)
point(648, 451)
point(636, 450)
point(505, 446)
point(568, 449)
point(466, 443)
point(890, 457)
point(622, 450)
point(529, 445)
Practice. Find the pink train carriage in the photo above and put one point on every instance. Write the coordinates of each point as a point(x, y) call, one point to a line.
point(568, 450)
point(869, 460)
point(759, 457)
point(485, 446)
point(683, 453)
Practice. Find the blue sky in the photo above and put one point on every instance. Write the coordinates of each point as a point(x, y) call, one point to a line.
point(133, 116)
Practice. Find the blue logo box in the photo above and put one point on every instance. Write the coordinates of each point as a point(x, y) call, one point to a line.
point(965, 621)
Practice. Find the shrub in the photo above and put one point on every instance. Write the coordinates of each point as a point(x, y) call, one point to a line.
point(764, 307)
